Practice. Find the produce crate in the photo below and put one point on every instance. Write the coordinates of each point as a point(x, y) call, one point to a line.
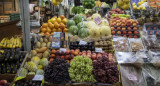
point(11, 77)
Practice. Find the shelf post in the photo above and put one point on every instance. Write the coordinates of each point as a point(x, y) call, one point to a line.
point(25, 22)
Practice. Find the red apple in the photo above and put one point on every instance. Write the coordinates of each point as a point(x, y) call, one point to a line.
point(118, 21)
point(94, 57)
point(113, 32)
point(84, 51)
point(135, 28)
point(124, 32)
point(72, 51)
point(118, 28)
point(135, 36)
point(119, 32)
point(71, 57)
point(124, 35)
point(130, 36)
point(118, 24)
point(136, 32)
point(66, 57)
point(3, 82)
point(123, 29)
point(130, 32)
point(89, 56)
point(62, 57)
point(112, 28)
point(134, 24)
point(88, 51)
point(129, 28)
point(77, 50)
point(80, 53)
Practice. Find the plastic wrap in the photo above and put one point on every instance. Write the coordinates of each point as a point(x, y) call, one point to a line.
point(151, 75)
point(131, 76)
point(155, 56)
point(121, 44)
point(143, 56)
point(136, 44)
point(150, 42)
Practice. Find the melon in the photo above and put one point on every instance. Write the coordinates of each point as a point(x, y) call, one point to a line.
point(105, 30)
point(73, 30)
point(70, 23)
point(83, 33)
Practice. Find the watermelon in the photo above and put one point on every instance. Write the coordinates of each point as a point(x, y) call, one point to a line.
point(81, 25)
point(77, 18)
point(83, 33)
point(73, 30)
point(70, 23)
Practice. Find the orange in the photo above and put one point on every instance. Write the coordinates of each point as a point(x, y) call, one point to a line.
point(56, 25)
point(53, 51)
point(42, 33)
point(45, 25)
point(55, 17)
point(65, 20)
point(65, 30)
point(54, 30)
point(53, 20)
point(51, 59)
point(43, 30)
point(48, 30)
point(47, 33)
point(59, 30)
point(50, 25)
point(59, 20)
point(62, 26)
point(62, 17)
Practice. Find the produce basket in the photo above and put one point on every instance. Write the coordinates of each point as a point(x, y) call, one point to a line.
point(11, 77)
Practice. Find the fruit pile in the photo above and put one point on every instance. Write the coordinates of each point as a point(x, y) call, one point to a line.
point(57, 72)
point(141, 7)
point(105, 71)
point(106, 45)
point(56, 2)
point(124, 4)
point(153, 30)
point(77, 45)
point(68, 55)
point(125, 27)
point(54, 25)
point(89, 4)
point(28, 83)
point(80, 69)
point(4, 83)
point(114, 11)
point(14, 42)
point(77, 27)
point(94, 55)
point(10, 61)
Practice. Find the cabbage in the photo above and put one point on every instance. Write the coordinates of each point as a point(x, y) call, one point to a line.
point(77, 18)
point(81, 25)
point(105, 31)
point(39, 72)
point(105, 5)
point(73, 30)
point(44, 62)
point(70, 23)
point(96, 15)
point(83, 33)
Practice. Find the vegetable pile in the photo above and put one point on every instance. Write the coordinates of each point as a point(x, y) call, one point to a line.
point(89, 4)
point(57, 72)
point(105, 71)
point(78, 10)
point(81, 69)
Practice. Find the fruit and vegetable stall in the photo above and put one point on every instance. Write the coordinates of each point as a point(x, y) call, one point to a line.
point(121, 48)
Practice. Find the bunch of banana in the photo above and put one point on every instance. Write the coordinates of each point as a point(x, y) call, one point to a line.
point(56, 2)
point(14, 42)
point(98, 3)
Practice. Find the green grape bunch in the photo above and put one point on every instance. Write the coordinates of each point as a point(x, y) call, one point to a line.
point(81, 69)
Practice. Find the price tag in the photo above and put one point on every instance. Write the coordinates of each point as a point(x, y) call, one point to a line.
point(82, 42)
point(99, 50)
point(38, 78)
point(98, 20)
point(132, 77)
point(62, 49)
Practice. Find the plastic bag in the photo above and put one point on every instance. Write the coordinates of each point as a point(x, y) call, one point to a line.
point(155, 56)
point(151, 75)
point(136, 44)
point(150, 42)
point(131, 76)
point(121, 44)
point(142, 55)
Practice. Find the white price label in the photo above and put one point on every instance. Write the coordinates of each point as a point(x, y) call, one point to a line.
point(98, 20)
point(38, 78)
point(82, 42)
point(99, 50)
point(132, 77)
point(62, 49)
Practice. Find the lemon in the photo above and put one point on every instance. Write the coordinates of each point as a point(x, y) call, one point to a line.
point(143, 8)
point(139, 3)
point(134, 4)
point(138, 8)
point(135, 7)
